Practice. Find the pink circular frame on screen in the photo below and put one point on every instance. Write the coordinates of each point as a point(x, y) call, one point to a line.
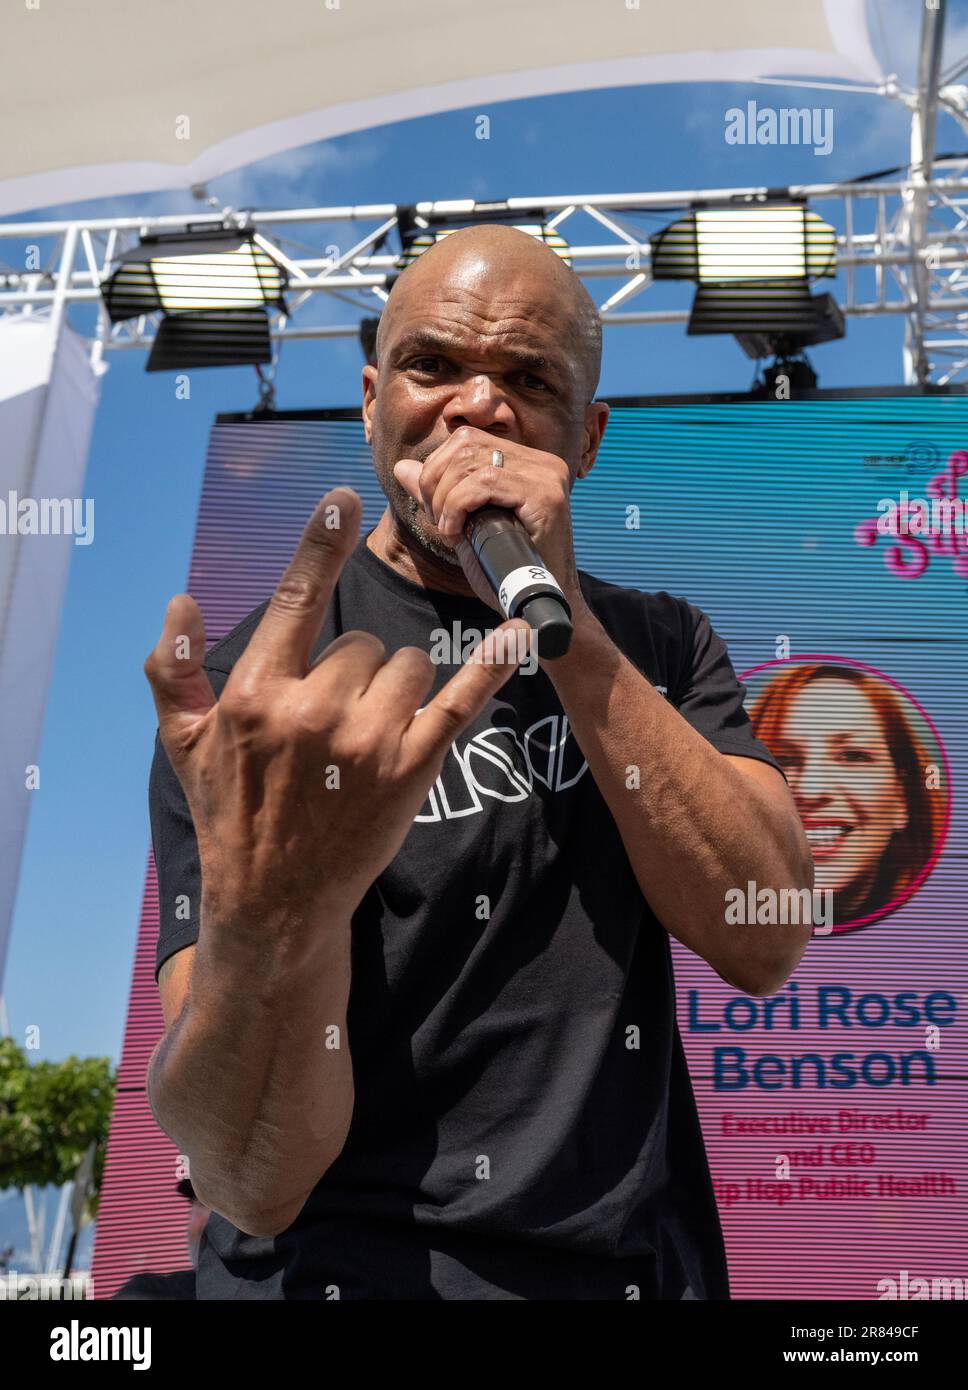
point(913, 887)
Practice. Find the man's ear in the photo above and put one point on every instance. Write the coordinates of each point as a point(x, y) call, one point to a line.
point(596, 418)
point(370, 378)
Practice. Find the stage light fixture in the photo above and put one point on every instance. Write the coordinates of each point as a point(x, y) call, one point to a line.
point(229, 338)
point(822, 322)
point(368, 331)
point(768, 242)
point(213, 287)
point(418, 235)
point(753, 267)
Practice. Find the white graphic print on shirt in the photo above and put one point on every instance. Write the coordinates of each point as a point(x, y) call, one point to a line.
point(496, 763)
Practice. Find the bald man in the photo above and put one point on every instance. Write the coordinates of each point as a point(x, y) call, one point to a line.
point(417, 882)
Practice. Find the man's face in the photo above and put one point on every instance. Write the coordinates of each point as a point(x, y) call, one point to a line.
point(479, 343)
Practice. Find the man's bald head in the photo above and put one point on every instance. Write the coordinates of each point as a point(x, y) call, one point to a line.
point(487, 330)
point(494, 255)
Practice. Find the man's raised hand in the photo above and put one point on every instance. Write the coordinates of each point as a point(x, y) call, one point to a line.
point(303, 780)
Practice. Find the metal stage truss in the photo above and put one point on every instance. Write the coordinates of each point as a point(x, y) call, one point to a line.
point(902, 246)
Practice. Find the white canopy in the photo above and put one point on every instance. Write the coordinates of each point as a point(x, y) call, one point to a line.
point(107, 97)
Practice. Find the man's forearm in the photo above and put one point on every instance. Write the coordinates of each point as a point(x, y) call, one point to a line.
point(694, 826)
point(254, 1081)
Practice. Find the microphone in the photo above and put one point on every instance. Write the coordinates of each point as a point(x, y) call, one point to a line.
point(515, 571)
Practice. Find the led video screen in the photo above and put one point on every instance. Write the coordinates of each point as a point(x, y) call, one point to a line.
point(825, 540)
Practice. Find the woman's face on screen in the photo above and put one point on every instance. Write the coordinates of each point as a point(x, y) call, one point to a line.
point(845, 784)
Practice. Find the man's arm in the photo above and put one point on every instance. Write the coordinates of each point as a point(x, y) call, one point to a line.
point(253, 1078)
point(298, 785)
point(699, 823)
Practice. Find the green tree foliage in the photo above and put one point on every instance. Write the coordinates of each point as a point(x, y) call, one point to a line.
point(49, 1114)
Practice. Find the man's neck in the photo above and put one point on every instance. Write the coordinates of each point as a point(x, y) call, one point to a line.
point(394, 545)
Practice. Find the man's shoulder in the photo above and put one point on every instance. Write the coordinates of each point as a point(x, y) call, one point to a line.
point(224, 653)
point(667, 615)
point(149, 1286)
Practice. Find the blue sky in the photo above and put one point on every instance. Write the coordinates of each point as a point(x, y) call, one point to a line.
point(76, 915)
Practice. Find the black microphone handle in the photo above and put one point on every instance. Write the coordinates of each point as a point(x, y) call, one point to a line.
point(524, 587)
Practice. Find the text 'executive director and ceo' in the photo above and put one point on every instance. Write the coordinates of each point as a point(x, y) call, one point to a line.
point(418, 1049)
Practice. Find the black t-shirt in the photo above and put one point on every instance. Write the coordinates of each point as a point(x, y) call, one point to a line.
point(148, 1287)
point(524, 1125)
